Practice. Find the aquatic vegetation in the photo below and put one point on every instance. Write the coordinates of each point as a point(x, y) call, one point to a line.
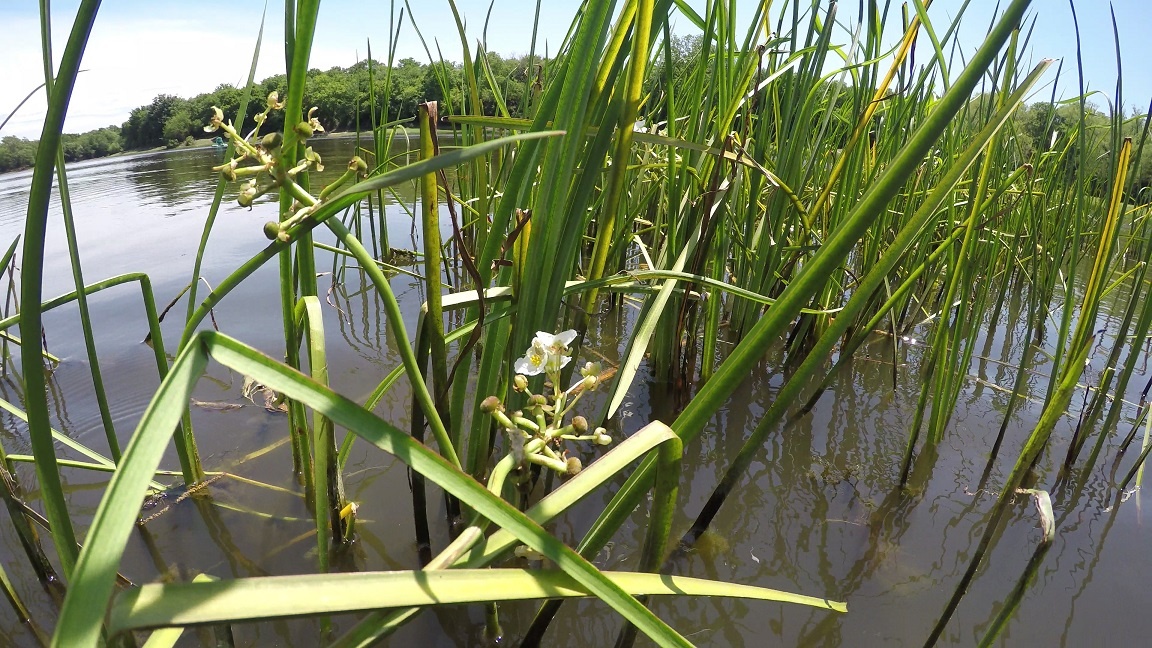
point(910, 208)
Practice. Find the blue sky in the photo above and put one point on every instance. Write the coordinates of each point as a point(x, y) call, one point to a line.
point(141, 48)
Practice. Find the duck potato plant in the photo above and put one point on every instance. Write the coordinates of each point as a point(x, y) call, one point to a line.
point(785, 190)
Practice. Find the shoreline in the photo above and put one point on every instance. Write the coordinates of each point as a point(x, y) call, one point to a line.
point(201, 143)
point(205, 142)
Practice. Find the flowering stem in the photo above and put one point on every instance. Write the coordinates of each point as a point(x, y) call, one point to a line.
point(525, 423)
point(554, 463)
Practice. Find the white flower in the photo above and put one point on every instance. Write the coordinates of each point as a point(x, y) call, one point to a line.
point(548, 352)
point(558, 343)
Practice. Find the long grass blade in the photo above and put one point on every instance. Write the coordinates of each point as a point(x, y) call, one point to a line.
point(31, 281)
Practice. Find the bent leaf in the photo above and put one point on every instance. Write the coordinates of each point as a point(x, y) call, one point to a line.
point(248, 599)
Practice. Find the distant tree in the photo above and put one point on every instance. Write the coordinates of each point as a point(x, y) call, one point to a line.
point(145, 125)
point(16, 153)
point(103, 142)
point(443, 83)
point(181, 125)
point(1056, 129)
point(407, 89)
point(675, 72)
point(334, 94)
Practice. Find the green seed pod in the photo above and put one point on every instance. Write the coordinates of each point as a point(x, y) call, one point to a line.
point(303, 129)
point(490, 405)
point(271, 230)
point(271, 141)
point(580, 424)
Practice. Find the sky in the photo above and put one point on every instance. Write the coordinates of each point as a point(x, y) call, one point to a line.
point(142, 48)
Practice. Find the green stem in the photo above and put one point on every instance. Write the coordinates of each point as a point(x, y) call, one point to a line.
point(31, 282)
point(395, 320)
point(82, 303)
point(429, 211)
point(621, 154)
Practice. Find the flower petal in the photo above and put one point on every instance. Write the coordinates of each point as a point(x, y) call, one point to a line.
point(566, 337)
point(532, 364)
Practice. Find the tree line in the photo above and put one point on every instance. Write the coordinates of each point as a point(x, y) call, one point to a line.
point(344, 98)
point(19, 153)
point(342, 95)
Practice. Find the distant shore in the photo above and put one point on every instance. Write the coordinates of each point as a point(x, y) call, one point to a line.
point(206, 142)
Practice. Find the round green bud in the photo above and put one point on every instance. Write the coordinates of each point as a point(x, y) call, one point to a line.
point(271, 141)
point(303, 129)
point(490, 405)
point(520, 382)
point(271, 230)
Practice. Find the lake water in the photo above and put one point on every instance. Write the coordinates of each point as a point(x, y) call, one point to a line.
point(819, 512)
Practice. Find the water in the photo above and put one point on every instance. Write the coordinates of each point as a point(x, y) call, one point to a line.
point(818, 512)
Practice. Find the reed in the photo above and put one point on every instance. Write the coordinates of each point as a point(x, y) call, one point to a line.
point(752, 199)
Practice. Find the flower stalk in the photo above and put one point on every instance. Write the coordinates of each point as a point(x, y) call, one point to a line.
point(537, 434)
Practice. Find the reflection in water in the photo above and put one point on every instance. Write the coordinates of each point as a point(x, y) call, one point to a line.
point(819, 511)
point(168, 181)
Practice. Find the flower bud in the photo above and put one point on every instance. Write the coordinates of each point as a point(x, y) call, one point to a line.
point(271, 141)
point(574, 466)
point(271, 230)
point(247, 196)
point(358, 165)
point(580, 424)
point(589, 383)
point(601, 437)
point(303, 129)
point(490, 404)
point(273, 102)
point(520, 382)
point(227, 170)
